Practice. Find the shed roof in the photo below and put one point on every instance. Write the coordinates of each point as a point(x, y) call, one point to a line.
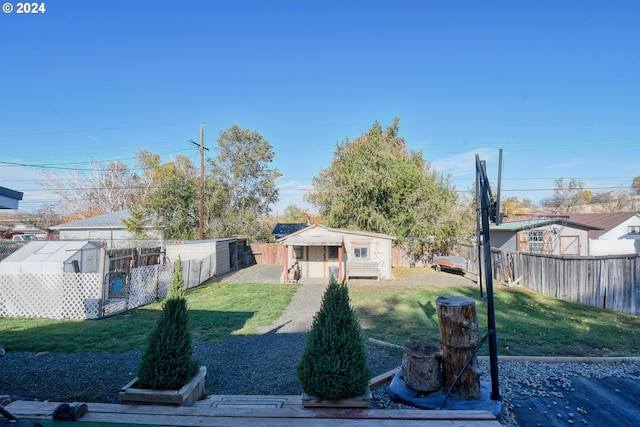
point(48, 251)
point(539, 222)
point(324, 240)
point(325, 236)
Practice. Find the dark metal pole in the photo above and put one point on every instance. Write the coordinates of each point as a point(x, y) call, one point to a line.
point(491, 319)
point(478, 233)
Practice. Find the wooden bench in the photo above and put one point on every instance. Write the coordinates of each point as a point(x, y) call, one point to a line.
point(363, 269)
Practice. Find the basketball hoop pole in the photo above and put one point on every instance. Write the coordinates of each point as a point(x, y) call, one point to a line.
point(489, 213)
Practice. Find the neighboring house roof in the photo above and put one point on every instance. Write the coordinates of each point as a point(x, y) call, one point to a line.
point(539, 222)
point(326, 236)
point(284, 229)
point(111, 220)
point(9, 198)
point(604, 221)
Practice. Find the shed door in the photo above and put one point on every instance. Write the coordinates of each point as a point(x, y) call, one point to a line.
point(317, 261)
point(523, 241)
point(569, 245)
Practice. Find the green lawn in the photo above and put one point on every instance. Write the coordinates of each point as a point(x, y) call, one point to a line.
point(218, 311)
point(527, 323)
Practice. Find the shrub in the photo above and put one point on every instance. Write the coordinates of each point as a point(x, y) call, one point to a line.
point(334, 362)
point(167, 362)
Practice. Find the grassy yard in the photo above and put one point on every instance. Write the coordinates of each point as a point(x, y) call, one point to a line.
point(528, 323)
point(218, 311)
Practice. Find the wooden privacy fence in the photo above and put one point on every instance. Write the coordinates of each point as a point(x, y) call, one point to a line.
point(266, 254)
point(610, 282)
point(126, 258)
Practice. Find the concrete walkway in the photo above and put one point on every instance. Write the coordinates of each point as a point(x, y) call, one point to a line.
point(298, 316)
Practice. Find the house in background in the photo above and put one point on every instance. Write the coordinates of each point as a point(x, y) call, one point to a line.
point(9, 198)
point(109, 228)
point(552, 235)
point(319, 252)
point(283, 229)
point(618, 232)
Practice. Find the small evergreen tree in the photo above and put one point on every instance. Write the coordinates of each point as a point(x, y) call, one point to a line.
point(334, 362)
point(167, 362)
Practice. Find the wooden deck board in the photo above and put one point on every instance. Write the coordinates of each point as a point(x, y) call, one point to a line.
point(287, 415)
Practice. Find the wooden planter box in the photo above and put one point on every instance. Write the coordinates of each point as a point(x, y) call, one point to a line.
point(189, 394)
point(363, 401)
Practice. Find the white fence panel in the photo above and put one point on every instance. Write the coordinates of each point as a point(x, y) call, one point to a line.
point(50, 295)
point(77, 295)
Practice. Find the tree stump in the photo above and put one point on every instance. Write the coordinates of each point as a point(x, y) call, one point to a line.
point(421, 368)
point(458, 338)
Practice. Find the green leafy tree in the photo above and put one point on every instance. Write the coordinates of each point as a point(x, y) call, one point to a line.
point(293, 214)
point(173, 207)
point(511, 206)
point(167, 362)
point(244, 185)
point(375, 183)
point(334, 362)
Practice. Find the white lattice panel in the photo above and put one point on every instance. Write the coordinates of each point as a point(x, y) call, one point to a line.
point(77, 295)
point(50, 295)
point(147, 284)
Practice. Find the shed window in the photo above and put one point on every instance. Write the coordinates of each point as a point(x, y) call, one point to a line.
point(536, 241)
point(634, 229)
point(361, 253)
point(333, 252)
point(297, 252)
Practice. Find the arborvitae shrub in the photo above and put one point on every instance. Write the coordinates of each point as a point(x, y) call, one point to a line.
point(334, 362)
point(167, 362)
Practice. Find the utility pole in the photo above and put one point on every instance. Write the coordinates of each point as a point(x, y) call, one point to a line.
point(202, 148)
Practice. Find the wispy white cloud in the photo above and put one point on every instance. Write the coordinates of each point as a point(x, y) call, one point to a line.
point(463, 164)
point(567, 164)
point(292, 193)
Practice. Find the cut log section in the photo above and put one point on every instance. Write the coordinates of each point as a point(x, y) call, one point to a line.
point(459, 336)
point(421, 368)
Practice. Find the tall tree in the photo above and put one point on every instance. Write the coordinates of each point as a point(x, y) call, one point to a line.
point(243, 184)
point(102, 188)
point(566, 196)
point(173, 206)
point(375, 183)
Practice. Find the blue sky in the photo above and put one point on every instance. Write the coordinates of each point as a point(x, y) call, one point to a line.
point(555, 84)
